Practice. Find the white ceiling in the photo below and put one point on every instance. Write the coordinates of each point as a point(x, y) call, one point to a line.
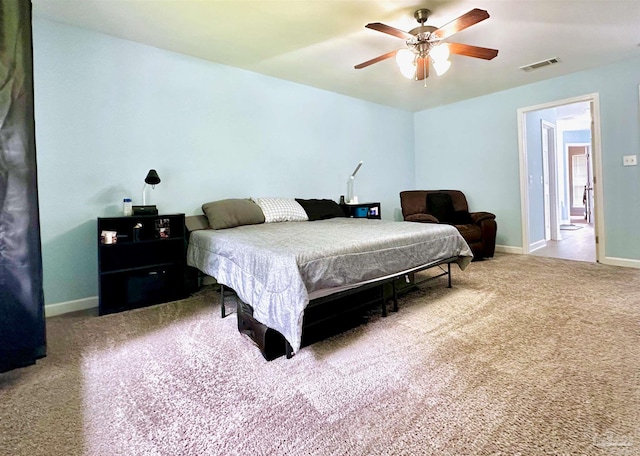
point(317, 42)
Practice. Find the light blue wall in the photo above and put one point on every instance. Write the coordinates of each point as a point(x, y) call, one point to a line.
point(576, 136)
point(466, 146)
point(473, 145)
point(107, 110)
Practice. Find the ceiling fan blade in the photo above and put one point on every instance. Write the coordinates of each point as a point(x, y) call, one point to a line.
point(376, 60)
point(422, 68)
point(472, 51)
point(466, 20)
point(389, 30)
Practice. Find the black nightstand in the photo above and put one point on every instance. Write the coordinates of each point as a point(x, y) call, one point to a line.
point(362, 210)
point(145, 265)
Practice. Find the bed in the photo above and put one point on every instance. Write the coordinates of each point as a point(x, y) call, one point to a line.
point(277, 269)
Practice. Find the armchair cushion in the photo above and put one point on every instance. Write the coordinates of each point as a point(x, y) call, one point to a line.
point(424, 218)
point(462, 218)
point(478, 217)
point(470, 232)
point(440, 205)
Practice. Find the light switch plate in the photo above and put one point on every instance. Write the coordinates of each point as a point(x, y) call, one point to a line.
point(629, 160)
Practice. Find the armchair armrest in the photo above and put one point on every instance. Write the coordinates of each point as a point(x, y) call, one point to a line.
point(478, 217)
point(423, 218)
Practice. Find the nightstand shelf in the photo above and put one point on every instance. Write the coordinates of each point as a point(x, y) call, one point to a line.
point(145, 265)
point(363, 210)
point(138, 268)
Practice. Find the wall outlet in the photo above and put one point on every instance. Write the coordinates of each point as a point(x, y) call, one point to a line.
point(629, 160)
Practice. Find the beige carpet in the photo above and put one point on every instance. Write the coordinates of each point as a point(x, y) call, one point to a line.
point(523, 356)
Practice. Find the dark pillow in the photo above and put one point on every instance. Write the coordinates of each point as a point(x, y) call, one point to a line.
point(462, 218)
point(321, 209)
point(440, 205)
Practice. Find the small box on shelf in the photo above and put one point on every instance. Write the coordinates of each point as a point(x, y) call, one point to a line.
point(145, 210)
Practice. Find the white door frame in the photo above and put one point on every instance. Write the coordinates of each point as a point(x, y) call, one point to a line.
point(596, 156)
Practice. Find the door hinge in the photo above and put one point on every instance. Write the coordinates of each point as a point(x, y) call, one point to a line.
point(597, 241)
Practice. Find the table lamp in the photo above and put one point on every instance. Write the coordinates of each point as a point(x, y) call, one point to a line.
point(351, 198)
point(152, 179)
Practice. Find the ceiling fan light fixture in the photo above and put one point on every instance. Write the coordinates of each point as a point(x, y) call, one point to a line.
point(405, 59)
point(441, 67)
point(425, 44)
point(439, 53)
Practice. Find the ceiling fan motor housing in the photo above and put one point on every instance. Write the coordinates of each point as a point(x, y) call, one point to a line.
point(422, 41)
point(422, 15)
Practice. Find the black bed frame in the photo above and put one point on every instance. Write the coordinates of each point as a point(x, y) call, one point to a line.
point(331, 314)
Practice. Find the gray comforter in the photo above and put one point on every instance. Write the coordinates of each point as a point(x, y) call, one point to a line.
point(275, 266)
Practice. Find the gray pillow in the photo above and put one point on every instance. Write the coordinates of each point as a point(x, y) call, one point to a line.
point(196, 222)
point(229, 213)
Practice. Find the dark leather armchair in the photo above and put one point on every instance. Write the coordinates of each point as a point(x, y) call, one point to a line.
point(450, 206)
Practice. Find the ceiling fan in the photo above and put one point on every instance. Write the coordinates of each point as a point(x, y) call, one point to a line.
point(425, 44)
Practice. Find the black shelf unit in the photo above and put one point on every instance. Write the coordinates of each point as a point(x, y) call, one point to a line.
point(373, 210)
point(145, 265)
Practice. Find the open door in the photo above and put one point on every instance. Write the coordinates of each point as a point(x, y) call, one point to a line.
point(550, 182)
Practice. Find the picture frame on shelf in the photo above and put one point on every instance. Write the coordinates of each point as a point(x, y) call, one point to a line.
point(108, 237)
point(163, 228)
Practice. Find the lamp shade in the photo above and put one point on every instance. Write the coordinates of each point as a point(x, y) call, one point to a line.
point(152, 177)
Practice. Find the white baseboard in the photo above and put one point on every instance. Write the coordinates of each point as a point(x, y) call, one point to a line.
point(51, 310)
point(59, 308)
point(537, 245)
point(509, 249)
point(624, 262)
point(612, 261)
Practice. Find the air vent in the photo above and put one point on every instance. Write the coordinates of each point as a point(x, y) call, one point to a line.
point(542, 63)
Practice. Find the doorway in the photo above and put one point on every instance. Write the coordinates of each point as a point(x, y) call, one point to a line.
point(558, 176)
point(579, 163)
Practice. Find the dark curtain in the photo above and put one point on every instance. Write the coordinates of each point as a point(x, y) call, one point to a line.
point(22, 327)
